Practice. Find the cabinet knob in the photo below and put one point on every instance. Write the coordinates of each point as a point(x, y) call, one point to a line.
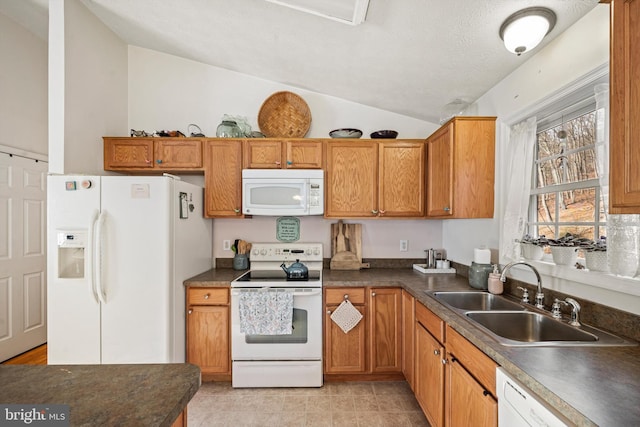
point(190, 311)
point(277, 163)
point(236, 210)
point(346, 296)
point(446, 209)
point(289, 162)
point(147, 161)
point(373, 294)
point(444, 361)
point(382, 212)
point(328, 311)
point(374, 211)
point(436, 352)
point(159, 161)
point(206, 296)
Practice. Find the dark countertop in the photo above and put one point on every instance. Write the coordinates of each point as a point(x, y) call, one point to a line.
point(115, 395)
point(588, 385)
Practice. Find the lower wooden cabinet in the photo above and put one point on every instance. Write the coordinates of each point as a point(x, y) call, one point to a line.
point(345, 353)
point(455, 382)
point(386, 329)
point(374, 346)
point(429, 385)
point(208, 331)
point(471, 384)
point(408, 337)
point(468, 402)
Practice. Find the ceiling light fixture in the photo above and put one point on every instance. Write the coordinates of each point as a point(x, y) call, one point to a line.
point(526, 28)
point(351, 12)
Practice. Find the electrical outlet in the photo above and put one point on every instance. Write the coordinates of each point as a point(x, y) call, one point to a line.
point(404, 245)
point(226, 245)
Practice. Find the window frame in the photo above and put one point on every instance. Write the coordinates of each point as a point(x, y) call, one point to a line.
point(553, 118)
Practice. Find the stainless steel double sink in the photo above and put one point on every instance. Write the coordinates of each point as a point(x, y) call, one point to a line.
point(513, 324)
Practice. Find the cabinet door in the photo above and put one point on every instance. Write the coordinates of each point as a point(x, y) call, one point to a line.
point(408, 337)
point(263, 154)
point(178, 153)
point(386, 335)
point(223, 178)
point(344, 353)
point(429, 376)
point(402, 180)
point(440, 172)
point(624, 179)
point(351, 180)
point(303, 154)
point(128, 153)
point(208, 338)
point(468, 403)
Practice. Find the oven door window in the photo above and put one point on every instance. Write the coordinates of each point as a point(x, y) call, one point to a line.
point(299, 335)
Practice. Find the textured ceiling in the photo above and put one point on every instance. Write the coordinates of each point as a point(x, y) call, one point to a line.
point(410, 56)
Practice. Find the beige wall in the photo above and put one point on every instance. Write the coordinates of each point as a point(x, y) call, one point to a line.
point(88, 74)
point(23, 88)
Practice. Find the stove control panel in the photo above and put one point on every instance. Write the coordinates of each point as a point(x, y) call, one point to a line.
point(262, 252)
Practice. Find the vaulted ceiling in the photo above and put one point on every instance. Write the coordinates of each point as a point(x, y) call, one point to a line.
point(409, 56)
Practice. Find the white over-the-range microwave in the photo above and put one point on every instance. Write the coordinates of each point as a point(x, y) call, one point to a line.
point(283, 192)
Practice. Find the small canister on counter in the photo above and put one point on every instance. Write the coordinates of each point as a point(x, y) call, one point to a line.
point(479, 275)
point(494, 283)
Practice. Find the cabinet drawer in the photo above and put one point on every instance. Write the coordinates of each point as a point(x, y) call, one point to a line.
point(430, 321)
point(208, 296)
point(337, 295)
point(481, 366)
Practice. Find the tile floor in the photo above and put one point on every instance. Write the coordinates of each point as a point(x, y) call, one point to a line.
point(357, 404)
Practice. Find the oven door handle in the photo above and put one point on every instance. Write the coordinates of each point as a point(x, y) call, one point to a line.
point(303, 293)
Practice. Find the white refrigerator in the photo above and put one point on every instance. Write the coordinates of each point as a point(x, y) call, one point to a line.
point(119, 249)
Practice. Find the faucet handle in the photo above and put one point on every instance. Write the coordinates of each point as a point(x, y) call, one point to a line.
point(525, 294)
point(575, 311)
point(555, 309)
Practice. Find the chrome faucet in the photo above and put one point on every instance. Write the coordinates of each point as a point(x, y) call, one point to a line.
point(575, 310)
point(539, 293)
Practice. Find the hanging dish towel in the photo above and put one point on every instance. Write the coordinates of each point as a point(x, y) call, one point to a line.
point(266, 312)
point(346, 316)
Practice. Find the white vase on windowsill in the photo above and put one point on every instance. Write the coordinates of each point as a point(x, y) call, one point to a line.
point(596, 260)
point(531, 251)
point(564, 255)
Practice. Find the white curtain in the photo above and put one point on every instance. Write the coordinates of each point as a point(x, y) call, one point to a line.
point(602, 141)
point(519, 163)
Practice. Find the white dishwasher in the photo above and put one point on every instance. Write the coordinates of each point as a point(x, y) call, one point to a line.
point(518, 406)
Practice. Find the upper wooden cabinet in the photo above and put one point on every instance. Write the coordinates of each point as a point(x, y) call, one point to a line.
point(279, 154)
point(461, 169)
point(374, 179)
point(223, 178)
point(152, 154)
point(624, 178)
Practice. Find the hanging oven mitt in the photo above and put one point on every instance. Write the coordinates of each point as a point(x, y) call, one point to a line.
point(346, 316)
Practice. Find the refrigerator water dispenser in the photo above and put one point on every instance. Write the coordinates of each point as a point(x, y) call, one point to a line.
point(71, 253)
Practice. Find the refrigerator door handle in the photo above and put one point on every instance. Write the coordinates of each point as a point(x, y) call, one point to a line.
point(92, 234)
point(102, 297)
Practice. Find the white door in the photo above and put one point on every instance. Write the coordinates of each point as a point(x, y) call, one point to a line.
point(23, 261)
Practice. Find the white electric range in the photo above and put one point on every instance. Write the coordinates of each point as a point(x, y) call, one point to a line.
point(292, 358)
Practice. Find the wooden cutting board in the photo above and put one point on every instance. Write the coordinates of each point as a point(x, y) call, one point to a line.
point(346, 247)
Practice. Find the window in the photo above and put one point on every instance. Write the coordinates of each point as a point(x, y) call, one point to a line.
point(565, 196)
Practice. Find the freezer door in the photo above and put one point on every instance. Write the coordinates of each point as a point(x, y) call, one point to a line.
point(136, 269)
point(73, 311)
